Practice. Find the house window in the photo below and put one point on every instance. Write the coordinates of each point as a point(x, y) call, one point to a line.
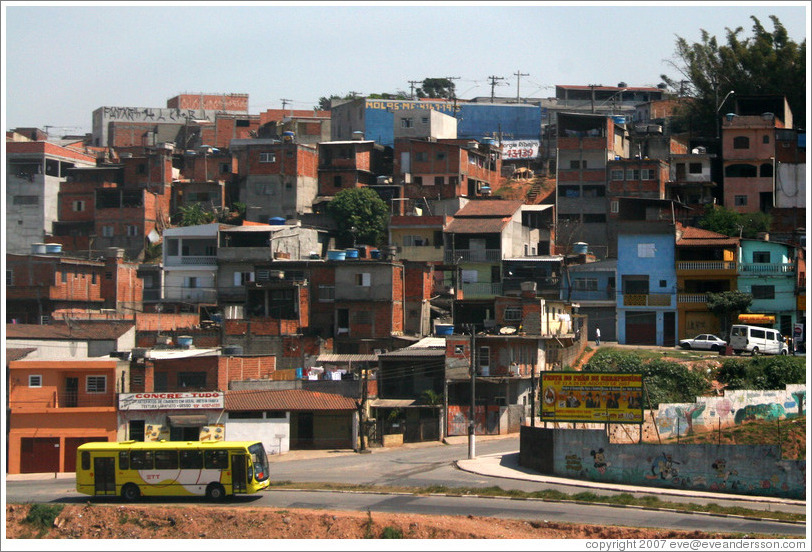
point(663, 283)
point(575, 164)
point(765, 139)
point(439, 180)
point(327, 294)
point(484, 359)
point(569, 191)
point(267, 157)
point(741, 142)
point(418, 180)
point(453, 181)
point(421, 156)
point(190, 282)
point(26, 200)
point(585, 284)
point(132, 230)
point(93, 278)
point(592, 190)
point(414, 241)
point(406, 122)
point(96, 384)
point(695, 168)
point(763, 292)
point(440, 155)
point(64, 276)
point(78, 206)
point(195, 380)
point(34, 381)
point(740, 200)
point(424, 120)
point(647, 174)
point(108, 275)
point(594, 217)
point(614, 206)
point(761, 256)
point(362, 279)
point(337, 181)
point(513, 314)
point(616, 174)
point(645, 250)
point(632, 174)
point(9, 277)
point(242, 278)
point(225, 167)
point(142, 168)
point(137, 430)
point(107, 231)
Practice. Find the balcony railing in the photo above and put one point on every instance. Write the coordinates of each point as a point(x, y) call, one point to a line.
point(764, 269)
point(647, 300)
point(473, 255)
point(73, 399)
point(692, 298)
point(481, 289)
point(707, 265)
point(187, 260)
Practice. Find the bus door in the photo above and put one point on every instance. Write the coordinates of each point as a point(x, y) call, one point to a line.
point(239, 473)
point(104, 470)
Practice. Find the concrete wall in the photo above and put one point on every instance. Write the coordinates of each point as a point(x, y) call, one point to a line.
point(273, 432)
point(739, 469)
point(709, 413)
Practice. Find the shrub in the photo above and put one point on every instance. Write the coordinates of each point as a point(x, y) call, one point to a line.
point(773, 372)
point(42, 516)
point(390, 532)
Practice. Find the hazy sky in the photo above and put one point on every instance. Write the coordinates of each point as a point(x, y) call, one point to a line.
point(63, 60)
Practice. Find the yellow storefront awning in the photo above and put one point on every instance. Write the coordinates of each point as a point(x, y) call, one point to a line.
point(756, 319)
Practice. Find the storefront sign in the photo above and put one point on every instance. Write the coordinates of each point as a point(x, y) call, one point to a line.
point(592, 397)
point(170, 401)
point(520, 149)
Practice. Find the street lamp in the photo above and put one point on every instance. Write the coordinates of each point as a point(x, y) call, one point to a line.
point(718, 120)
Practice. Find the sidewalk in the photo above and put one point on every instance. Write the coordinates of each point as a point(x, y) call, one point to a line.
point(506, 465)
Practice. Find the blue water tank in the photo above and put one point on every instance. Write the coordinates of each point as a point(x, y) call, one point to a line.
point(336, 255)
point(619, 119)
point(579, 248)
point(276, 221)
point(375, 253)
point(53, 248)
point(352, 253)
point(444, 329)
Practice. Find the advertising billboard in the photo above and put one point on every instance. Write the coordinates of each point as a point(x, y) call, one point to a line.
point(520, 149)
point(592, 397)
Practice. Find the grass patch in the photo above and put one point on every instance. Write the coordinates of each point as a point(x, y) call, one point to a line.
point(390, 532)
point(628, 499)
point(42, 516)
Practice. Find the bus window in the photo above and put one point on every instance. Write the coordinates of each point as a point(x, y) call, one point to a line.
point(141, 460)
point(124, 460)
point(85, 460)
point(216, 459)
point(191, 460)
point(260, 461)
point(166, 459)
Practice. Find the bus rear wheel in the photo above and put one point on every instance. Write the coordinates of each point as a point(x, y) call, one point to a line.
point(215, 491)
point(131, 492)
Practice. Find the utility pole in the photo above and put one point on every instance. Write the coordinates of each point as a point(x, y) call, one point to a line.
point(285, 102)
point(472, 420)
point(411, 86)
point(494, 80)
point(519, 76)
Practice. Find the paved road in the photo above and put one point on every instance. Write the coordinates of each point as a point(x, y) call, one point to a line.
point(428, 465)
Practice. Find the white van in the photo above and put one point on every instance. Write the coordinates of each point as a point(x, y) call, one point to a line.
point(757, 341)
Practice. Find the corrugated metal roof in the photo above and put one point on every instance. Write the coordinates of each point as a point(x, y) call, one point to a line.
point(415, 352)
point(102, 330)
point(341, 359)
point(391, 403)
point(288, 399)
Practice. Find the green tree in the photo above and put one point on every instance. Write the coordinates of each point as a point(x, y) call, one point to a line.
point(436, 88)
point(730, 223)
point(727, 305)
point(194, 214)
point(363, 210)
point(764, 63)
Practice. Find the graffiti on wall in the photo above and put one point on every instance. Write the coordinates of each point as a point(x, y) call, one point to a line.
point(743, 469)
point(486, 420)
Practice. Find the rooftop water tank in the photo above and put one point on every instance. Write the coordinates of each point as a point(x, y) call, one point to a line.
point(579, 248)
point(276, 221)
point(336, 255)
point(54, 248)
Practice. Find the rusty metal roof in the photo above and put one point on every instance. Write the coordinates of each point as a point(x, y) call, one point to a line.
point(490, 208)
point(288, 399)
point(477, 225)
point(101, 330)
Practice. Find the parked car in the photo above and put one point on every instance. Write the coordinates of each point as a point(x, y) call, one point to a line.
point(756, 340)
point(707, 342)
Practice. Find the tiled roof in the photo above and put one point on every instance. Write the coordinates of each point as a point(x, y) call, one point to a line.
point(490, 208)
point(17, 354)
point(476, 226)
point(105, 330)
point(289, 399)
point(699, 236)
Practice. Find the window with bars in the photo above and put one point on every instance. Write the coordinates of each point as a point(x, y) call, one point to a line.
point(96, 384)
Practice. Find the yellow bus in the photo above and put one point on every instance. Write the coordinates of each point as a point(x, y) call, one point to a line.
point(171, 468)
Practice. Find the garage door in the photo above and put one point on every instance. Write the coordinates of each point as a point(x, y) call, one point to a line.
point(641, 328)
point(73, 443)
point(39, 455)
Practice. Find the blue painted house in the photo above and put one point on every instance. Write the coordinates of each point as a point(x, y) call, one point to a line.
point(592, 286)
point(766, 270)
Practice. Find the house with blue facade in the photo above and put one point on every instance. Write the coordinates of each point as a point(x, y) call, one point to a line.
point(646, 271)
point(592, 286)
point(766, 270)
point(374, 119)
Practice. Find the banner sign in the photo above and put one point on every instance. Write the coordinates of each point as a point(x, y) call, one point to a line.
point(171, 401)
point(520, 149)
point(592, 397)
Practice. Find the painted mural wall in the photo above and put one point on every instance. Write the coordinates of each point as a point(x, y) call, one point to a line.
point(739, 469)
point(710, 413)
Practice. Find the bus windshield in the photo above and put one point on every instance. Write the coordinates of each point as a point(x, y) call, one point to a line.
point(260, 460)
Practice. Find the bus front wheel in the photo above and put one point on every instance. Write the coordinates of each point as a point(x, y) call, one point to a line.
point(131, 492)
point(215, 491)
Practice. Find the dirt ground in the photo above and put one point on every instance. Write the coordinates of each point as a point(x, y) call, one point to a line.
point(185, 521)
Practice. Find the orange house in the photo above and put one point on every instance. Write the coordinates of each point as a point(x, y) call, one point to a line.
point(55, 406)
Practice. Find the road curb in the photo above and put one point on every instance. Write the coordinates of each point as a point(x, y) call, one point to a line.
point(560, 501)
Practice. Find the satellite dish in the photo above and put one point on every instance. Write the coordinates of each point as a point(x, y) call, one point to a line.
point(507, 330)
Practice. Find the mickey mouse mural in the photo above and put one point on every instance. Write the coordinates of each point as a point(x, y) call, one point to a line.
point(600, 460)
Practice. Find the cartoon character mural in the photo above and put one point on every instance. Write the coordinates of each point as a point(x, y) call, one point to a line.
point(769, 411)
point(663, 468)
point(600, 460)
point(720, 467)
